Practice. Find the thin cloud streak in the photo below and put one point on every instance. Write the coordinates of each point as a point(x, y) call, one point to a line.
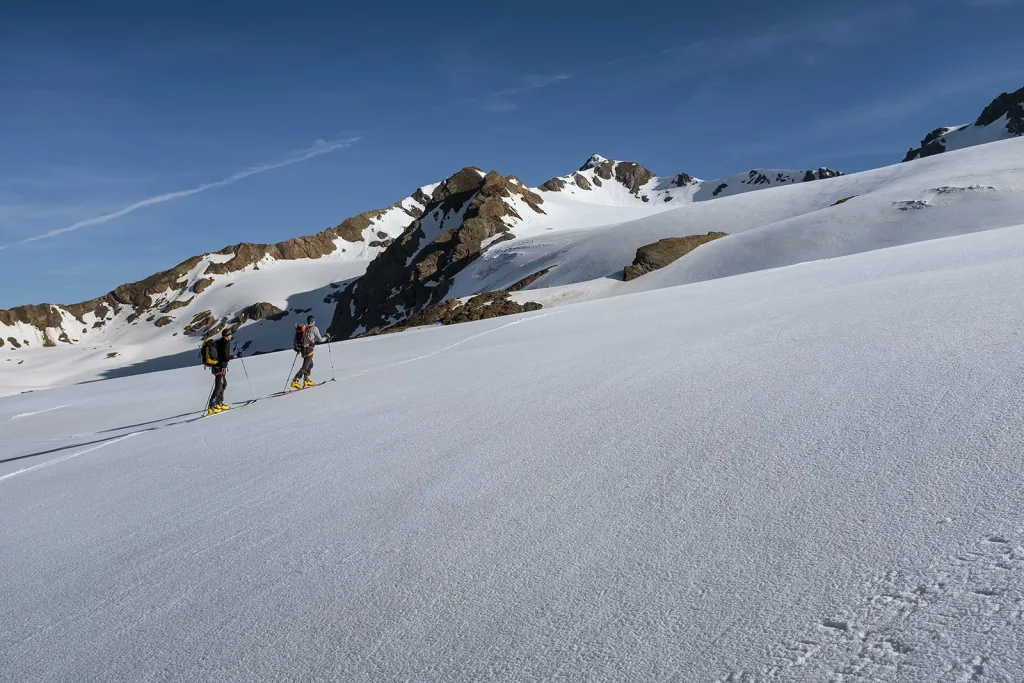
point(319, 148)
point(499, 100)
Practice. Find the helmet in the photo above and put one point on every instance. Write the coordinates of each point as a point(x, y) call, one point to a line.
point(310, 320)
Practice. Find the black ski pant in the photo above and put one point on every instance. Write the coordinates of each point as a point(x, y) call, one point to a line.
point(307, 364)
point(220, 385)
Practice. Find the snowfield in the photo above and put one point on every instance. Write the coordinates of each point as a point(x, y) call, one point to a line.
point(806, 473)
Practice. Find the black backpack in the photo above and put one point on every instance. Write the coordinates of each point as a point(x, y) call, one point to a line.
point(300, 338)
point(208, 352)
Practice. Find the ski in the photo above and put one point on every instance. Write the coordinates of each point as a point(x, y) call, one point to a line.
point(296, 391)
point(234, 407)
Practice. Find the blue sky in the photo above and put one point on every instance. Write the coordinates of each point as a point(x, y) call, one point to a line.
point(298, 115)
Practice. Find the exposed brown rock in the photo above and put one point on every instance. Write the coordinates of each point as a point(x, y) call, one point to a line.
point(553, 185)
point(14, 342)
point(163, 321)
point(632, 175)
point(581, 181)
point(605, 169)
point(844, 200)
point(200, 321)
point(201, 285)
point(453, 312)
point(40, 316)
point(175, 305)
point(48, 343)
point(260, 311)
point(113, 354)
point(663, 252)
point(597, 181)
point(683, 179)
point(528, 280)
point(64, 338)
point(410, 274)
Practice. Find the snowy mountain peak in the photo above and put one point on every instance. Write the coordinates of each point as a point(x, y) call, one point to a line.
point(594, 161)
point(1003, 118)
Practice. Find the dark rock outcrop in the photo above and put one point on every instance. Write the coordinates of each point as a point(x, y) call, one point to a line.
point(200, 321)
point(454, 311)
point(163, 321)
point(39, 316)
point(821, 174)
point(553, 185)
point(651, 257)
point(1010, 105)
point(582, 182)
point(415, 271)
point(632, 175)
point(260, 311)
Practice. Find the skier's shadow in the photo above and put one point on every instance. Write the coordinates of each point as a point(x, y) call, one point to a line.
point(144, 424)
point(123, 428)
point(68, 447)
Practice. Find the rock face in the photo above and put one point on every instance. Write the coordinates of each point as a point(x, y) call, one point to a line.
point(663, 252)
point(454, 311)
point(466, 212)
point(260, 311)
point(1004, 117)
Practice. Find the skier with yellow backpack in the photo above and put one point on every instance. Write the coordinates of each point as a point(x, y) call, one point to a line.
point(215, 354)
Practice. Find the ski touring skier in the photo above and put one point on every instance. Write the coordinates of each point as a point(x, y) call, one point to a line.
point(215, 354)
point(306, 337)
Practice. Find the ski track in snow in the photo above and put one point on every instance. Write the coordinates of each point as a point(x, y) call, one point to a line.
point(47, 410)
point(40, 466)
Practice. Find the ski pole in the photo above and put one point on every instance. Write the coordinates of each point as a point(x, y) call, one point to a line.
point(286, 382)
point(331, 357)
point(210, 397)
point(246, 373)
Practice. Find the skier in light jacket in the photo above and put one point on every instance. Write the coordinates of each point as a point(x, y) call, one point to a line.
point(308, 338)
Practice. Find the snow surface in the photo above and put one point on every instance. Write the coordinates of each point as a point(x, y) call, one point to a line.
point(810, 473)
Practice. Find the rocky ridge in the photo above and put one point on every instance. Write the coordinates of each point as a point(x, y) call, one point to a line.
point(1002, 118)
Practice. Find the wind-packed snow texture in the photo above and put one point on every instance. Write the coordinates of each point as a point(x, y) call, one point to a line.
point(810, 473)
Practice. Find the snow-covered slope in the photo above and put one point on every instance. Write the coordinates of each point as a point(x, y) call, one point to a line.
point(801, 474)
point(976, 189)
point(1002, 119)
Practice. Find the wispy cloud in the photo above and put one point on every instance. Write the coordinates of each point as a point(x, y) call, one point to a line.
point(319, 148)
point(502, 100)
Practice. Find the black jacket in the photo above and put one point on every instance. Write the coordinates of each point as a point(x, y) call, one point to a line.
point(223, 353)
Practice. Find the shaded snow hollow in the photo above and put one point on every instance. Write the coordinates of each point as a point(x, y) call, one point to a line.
point(810, 473)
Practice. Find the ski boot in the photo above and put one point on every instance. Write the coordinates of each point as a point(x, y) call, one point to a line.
point(296, 384)
point(213, 410)
point(308, 383)
point(222, 407)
